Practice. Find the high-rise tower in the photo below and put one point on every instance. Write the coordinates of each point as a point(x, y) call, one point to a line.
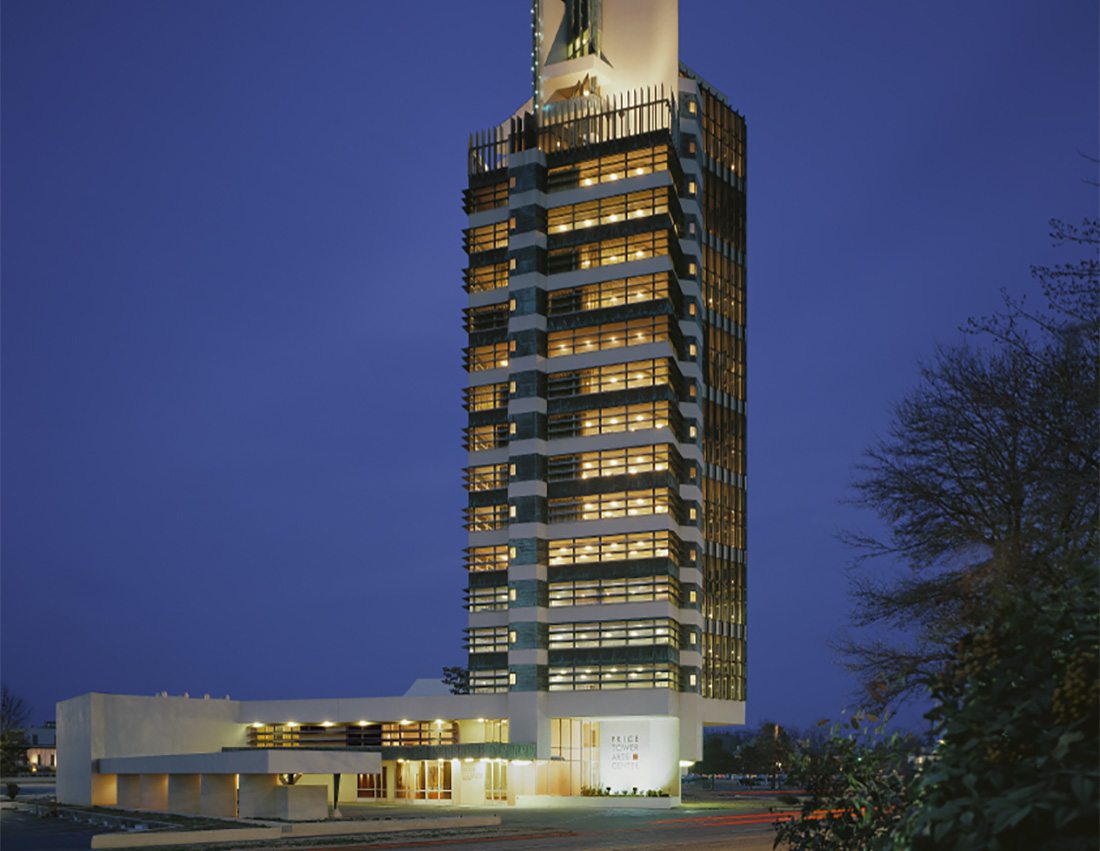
point(606, 479)
point(606, 397)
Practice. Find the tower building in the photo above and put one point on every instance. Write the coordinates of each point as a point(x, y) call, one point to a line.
point(606, 399)
point(606, 566)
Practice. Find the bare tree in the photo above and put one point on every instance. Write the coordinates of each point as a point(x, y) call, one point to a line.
point(13, 711)
point(13, 740)
point(988, 481)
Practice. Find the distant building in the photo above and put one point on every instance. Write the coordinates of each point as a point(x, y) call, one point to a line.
point(606, 477)
point(42, 747)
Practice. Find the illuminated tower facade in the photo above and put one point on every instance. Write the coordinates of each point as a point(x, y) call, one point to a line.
point(606, 357)
point(606, 479)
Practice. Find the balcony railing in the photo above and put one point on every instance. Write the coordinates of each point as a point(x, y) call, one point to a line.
point(574, 123)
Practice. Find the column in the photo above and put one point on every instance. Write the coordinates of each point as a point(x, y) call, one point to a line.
point(154, 792)
point(257, 796)
point(218, 795)
point(183, 793)
point(129, 791)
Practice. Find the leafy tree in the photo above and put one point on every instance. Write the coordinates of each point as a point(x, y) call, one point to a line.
point(1017, 761)
point(989, 486)
point(1017, 709)
point(987, 481)
point(859, 783)
point(457, 679)
point(769, 751)
point(717, 759)
point(13, 740)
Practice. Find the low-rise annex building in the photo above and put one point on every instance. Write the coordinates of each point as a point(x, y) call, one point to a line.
point(291, 759)
point(606, 558)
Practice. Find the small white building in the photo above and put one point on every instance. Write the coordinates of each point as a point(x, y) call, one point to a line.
point(42, 747)
point(292, 758)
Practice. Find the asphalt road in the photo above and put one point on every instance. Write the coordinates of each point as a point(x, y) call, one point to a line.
point(22, 832)
point(738, 826)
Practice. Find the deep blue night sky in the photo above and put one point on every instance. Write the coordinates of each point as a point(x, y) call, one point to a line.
point(232, 310)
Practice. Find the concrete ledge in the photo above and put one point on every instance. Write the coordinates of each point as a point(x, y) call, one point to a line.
point(594, 802)
point(350, 827)
point(147, 839)
point(246, 761)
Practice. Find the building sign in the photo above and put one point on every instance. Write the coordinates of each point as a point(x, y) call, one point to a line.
point(625, 758)
point(641, 754)
point(625, 751)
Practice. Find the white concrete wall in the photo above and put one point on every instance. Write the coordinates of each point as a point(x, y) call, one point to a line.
point(468, 783)
point(184, 792)
point(522, 780)
point(640, 754)
point(218, 795)
point(529, 720)
point(94, 726)
point(104, 790)
point(129, 792)
point(74, 744)
point(256, 796)
point(154, 792)
point(301, 803)
point(612, 704)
